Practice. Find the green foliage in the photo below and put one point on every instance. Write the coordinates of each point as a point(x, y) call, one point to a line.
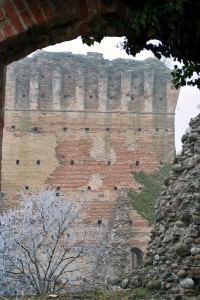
point(141, 293)
point(107, 2)
point(128, 294)
point(175, 161)
point(185, 75)
point(90, 40)
point(172, 22)
point(175, 23)
point(144, 201)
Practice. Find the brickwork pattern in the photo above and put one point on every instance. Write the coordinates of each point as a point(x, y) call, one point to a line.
point(27, 25)
point(83, 124)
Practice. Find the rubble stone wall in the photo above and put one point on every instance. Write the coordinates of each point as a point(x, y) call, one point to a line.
point(174, 251)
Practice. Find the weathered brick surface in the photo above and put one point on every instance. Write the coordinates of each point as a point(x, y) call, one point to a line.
point(28, 25)
point(84, 124)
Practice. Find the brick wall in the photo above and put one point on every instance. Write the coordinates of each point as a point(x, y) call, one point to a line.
point(27, 25)
point(84, 124)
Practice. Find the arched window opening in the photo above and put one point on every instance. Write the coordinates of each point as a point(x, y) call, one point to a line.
point(136, 257)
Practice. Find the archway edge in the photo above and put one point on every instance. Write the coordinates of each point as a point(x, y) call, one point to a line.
point(26, 25)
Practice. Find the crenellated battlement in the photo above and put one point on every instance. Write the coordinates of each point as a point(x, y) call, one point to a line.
point(68, 82)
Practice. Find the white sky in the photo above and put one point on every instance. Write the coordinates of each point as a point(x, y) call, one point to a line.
point(189, 97)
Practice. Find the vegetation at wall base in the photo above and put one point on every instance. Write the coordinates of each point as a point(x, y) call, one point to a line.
point(144, 200)
point(98, 294)
point(128, 294)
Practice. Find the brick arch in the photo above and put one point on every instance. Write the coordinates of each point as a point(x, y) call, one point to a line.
point(26, 25)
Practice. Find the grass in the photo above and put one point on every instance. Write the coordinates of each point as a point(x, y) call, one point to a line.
point(137, 294)
point(98, 294)
point(144, 201)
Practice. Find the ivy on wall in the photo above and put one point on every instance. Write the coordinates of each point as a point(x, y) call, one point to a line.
point(144, 200)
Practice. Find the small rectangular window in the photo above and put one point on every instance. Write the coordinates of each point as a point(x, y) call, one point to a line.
point(166, 129)
point(72, 162)
point(38, 162)
point(87, 129)
point(137, 162)
point(34, 129)
point(26, 187)
point(157, 129)
point(13, 126)
point(17, 162)
point(107, 129)
point(99, 222)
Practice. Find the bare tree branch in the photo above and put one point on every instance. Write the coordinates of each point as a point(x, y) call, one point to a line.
point(43, 245)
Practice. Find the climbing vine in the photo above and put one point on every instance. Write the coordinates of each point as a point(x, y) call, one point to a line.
point(144, 200)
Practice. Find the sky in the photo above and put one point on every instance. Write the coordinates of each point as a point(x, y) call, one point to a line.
point(189, 97)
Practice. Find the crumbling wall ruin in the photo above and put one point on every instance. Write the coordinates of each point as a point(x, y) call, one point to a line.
point(83, 124)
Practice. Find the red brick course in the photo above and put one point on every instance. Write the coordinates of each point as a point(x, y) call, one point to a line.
point(13, 17)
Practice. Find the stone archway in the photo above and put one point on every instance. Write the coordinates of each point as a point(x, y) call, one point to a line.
point(28, 25)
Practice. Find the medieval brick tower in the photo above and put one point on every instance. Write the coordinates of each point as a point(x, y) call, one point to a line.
point(83, 124)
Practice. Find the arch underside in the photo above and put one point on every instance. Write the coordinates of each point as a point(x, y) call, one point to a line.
point(33, 25)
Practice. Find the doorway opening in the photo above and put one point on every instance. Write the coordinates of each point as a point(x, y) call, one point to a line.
point(136, 257)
